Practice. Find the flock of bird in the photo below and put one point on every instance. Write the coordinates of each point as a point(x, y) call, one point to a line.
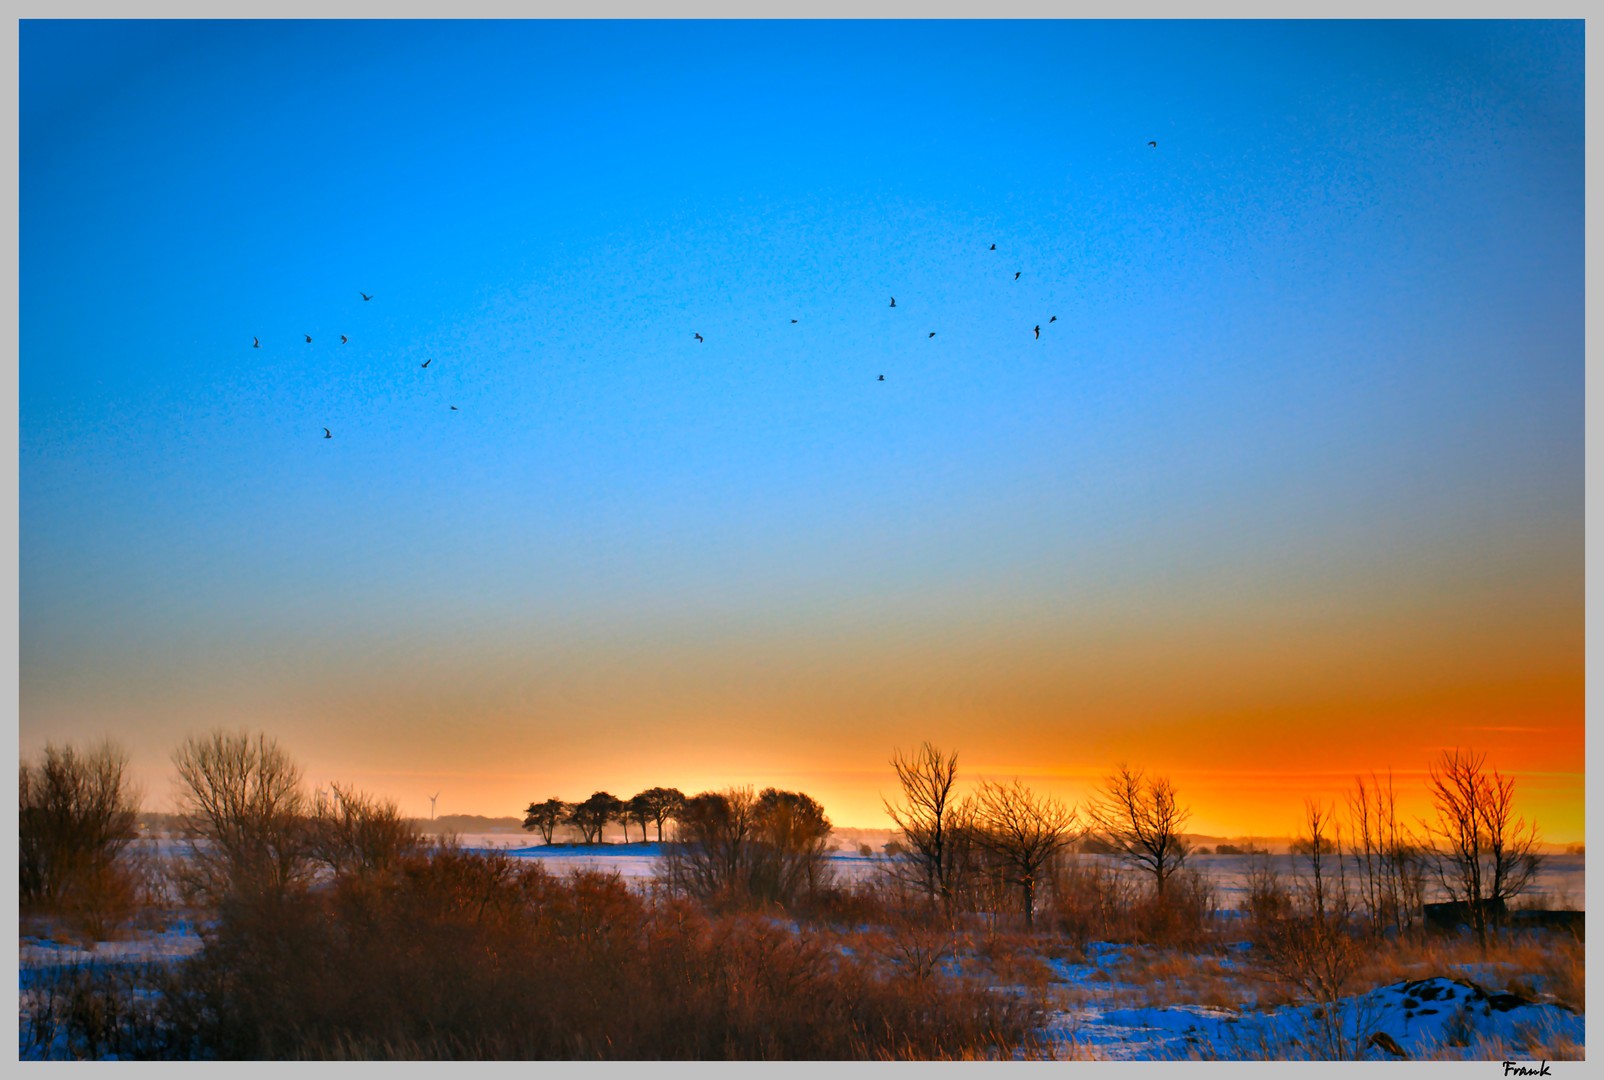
point(256, 343)
point(1017, 274)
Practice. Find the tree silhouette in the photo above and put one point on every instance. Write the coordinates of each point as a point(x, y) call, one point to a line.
point(930, 819)
point(244, 815)
point(1141, 819)
point(664, 803)
point(1484, 855)
point(591, 816)
point(545, 817)
point(1022, 832)
point(77, 815)
point(637, 812)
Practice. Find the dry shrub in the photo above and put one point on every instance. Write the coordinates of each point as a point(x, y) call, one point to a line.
point(1182, 916)
point(1015, 960)
point(476, 956)
point(76, 816)
point(1092, 901)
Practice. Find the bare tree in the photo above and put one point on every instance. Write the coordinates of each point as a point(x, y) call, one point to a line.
point(710, 856)
point(546, 816)
point(591, 816)
point(76, 817)
point(1311, 949)
point(929, 820)
point(1483, 854)
point(734, 847)
point(1389, 862)
point(1141, 820)
point(244, 816)
point(663, 803)
point(353, 833)
point(1022, 832)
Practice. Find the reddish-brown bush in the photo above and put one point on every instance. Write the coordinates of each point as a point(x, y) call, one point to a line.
point(459, 955)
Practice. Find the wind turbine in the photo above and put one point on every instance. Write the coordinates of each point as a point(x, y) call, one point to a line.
point(432, 798)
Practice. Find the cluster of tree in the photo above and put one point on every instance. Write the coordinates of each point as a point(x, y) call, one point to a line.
point(252, 829)
point(1007, 835)
point(654, 806)
point(734, 847)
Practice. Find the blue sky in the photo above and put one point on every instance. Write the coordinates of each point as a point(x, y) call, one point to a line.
point(1323, 341)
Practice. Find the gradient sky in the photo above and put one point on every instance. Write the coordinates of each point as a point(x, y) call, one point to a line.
point(1292, 488)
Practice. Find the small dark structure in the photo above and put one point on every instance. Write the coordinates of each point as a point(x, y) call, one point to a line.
point(1548, 919)
point(1452, 915)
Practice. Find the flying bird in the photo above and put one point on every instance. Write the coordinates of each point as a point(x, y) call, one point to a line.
point(1017, 273)
point(1038, 331)
point(453, 408)
point(793, 320)
point(363, 295)
point(256, 343)
point(994, 247)
point(309, 339)
point(327, 434)
point(893, 301)
point(427, 362)
point(932, 333)
point(344, 339)
point(1150, 142)
point(882, 378)
point(1053, 319)
point(700, 338)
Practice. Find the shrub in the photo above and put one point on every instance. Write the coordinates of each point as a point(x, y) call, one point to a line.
point(76, 818)
point(466, 956)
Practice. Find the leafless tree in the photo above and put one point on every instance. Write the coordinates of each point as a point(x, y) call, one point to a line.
point(353, 833)
point(546, 816)
point(734, 847)
point(77, 815)
point(710, 856)
point(1311, 948)
point(1483, 853)
point(244, 815)
point(1140, 819)
point(930, 820)
point(1390, 867)
point(1022, 832)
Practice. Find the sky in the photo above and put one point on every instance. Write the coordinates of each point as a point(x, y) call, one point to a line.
point(1289, 487)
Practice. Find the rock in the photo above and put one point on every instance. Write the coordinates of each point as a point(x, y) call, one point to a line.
point(1382, 1041)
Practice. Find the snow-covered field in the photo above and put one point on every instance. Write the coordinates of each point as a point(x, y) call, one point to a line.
point(1452, 1017)
point(1113, 1001)
point(1561, 885)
